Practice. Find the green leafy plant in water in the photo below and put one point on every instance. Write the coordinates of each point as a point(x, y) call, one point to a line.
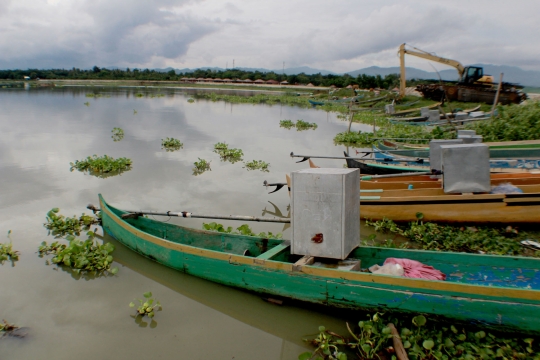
point(139, 95)
point(117, 134)
point(7, 252)
point(171, 144)
point(87, 103)
point(304, 125)
point(99, 165)
point(201, 166)
point(425, 340)
point(473, 239)
point(257, 165)
point(7, 327)
point(82, 256)
point(147, 306)
point(60, 225)
point(191, 100)
point(287, 124)
point(232, 155)
point(327, 347)
point(243, 229)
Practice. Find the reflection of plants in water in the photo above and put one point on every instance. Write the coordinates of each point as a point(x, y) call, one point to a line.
point(83, 256)
point(201, 166)
point(171, 144)
point(134, 111)
point(7, 252)
point(60, 226)
point(139, 321)
point(101, 165)
point(147, 306)
point(117, 134)
point(257, 165)
point(87, 103)
point(190, 100)
point(232, 155)
point(243, 229)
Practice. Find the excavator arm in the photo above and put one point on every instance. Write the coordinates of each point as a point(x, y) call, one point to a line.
point(425, 55)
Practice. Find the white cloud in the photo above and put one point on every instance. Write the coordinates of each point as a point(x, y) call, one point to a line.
point(338, 36)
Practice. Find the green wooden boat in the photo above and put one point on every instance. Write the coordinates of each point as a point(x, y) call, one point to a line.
point(505, 152)
point(500, 291)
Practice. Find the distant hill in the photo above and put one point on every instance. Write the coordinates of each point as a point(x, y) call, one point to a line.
point(512, 74)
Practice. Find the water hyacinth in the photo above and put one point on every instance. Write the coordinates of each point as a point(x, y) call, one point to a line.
point(96, 165)
point(171, 144)
point(83, 256)
point(147, 306)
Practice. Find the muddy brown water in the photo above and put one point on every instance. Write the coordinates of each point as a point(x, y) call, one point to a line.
point(43, 130)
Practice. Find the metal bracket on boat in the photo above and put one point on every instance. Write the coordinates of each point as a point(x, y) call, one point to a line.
point(131, 216)
point(92, 207)
point(277, 185)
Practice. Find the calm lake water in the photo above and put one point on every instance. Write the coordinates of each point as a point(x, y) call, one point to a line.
point(43, 130)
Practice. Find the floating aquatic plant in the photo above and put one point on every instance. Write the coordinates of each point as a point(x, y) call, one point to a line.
point(472, 239)
point(373, 339)
point(171, 144)
point(201, 166)
point(287, 124)
point(147, 306)
point(83, 256)
point(87, 103)
point(232, 155)
point(117, 134)
point(190, 100)
point(99, 165)
point(60, 225)
point(257, 165)
point(7, 252)
point(304, 125)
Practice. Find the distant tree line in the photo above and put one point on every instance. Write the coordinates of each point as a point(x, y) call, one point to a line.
point(362, 80)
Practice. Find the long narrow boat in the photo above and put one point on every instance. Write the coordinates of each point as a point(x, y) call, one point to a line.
point(384, 164)
point(522, 144)
point(500, 291)
point(494, 152)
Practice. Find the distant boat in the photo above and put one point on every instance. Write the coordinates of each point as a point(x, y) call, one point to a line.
point(313, 102)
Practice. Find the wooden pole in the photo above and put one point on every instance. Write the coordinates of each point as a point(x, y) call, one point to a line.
point(497, 95)
point(185, 214)
point(401, 353)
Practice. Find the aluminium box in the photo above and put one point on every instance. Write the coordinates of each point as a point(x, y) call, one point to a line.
point(435, 151)
point(325, 208)
point(465, 168)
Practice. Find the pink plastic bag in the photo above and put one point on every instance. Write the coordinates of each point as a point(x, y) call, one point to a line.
point(415, 269)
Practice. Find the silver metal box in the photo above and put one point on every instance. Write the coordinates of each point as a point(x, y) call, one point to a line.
point(465, 168)
point(435, 151)
point(461, 133)
point(325, 206)
point(473, 139)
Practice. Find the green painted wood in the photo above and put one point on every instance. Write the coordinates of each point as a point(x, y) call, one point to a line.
point(494, 152)
point(275, 251)
point(466, 273)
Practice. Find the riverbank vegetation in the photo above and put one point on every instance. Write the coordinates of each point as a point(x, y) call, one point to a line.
point(96, 73)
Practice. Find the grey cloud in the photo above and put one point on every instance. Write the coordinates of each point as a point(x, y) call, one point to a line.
point(129, 33)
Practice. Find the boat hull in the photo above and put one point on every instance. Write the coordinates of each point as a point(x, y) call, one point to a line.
point(509, 299)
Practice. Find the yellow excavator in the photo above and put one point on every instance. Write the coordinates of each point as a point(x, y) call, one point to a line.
point(472, 86)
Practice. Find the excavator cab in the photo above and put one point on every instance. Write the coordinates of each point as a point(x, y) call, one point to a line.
point(474, 74)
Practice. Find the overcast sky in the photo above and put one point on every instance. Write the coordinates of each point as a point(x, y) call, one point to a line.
point(339, 36)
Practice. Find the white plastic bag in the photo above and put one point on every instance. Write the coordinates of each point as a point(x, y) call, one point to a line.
point(388, 269)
